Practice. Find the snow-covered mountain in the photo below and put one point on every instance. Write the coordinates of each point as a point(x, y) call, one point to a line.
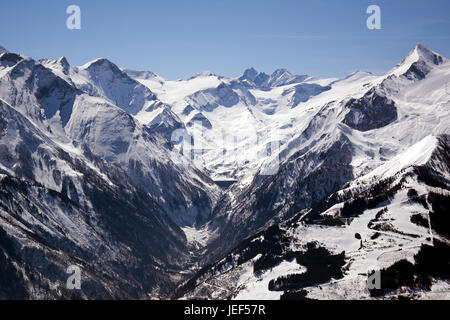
point(79, 171)
point(278, 78)
point(360, 125)
point(393, 220)
point(227, 116)
point(118, 171)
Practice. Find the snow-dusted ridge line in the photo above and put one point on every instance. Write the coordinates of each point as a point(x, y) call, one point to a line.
point(416, 155)
point(391, 238)
point(92, 146)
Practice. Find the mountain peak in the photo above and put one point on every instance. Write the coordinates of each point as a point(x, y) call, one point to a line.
point(60, 64)
point(281, 77)
point(101, 65)
point(255, 77)
point(422, 52)
point(280, 72)
point(250, 74)
point(420, 47)
point(98, 63)
point(63, 61)
point(64, 64)
point(418, 62)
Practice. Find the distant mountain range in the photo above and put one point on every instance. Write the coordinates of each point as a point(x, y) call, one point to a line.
point(263, 186)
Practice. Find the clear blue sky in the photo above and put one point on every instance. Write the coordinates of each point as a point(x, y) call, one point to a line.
point(177, 38)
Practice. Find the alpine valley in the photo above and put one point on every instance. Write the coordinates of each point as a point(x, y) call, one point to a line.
point(265, 186)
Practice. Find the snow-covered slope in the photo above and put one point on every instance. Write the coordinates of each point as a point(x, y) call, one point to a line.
point(87, 122)
point(243, 121)
point(359, 126)
point(59, 208)
point(102, 78)
point(234, 124)
point(84, 182)
point(396, 224)
point(120, 165)
point(352, 128)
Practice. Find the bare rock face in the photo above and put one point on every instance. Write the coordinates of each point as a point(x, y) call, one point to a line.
point(426, 61)
point(374, 110)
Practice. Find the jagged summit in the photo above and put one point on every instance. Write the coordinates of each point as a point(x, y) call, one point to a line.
point(282, 77)
point(100, 63)
point(59, 64)
point(254, 77)
point(3, 50)
point(418, 62)
point(280, 72)
point(426, 53)
point(279, 77)
point(250, 74)
point(63, 61)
